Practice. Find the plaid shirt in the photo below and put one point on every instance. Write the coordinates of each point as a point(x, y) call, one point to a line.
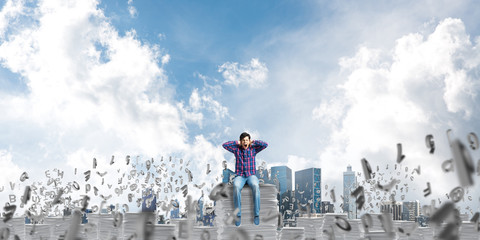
point(245, 158)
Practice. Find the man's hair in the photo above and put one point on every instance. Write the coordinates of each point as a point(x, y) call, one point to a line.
point(245, 134)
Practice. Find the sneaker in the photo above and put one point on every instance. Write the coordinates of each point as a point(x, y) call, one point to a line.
point(238, 221)
point(256, 220)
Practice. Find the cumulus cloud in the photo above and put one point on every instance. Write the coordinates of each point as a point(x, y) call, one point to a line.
point(93, 92)
point(202, 103)
point(425, 85)
point(199, 102)
point(203, 156)
point(74, 63)
point(254, 73)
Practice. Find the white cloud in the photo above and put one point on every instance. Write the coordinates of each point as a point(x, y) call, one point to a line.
point(88, 86)
point(200, 103)
point(329, 112)
point(161, 36)
point(165, 59)
point(425, 85)
point(94, 93)
point(131, 9)
point(10, 10)
point(11, 172)
point(254, 73)
point(201, 154)
point(297, 163)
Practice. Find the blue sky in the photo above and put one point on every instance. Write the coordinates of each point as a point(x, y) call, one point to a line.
point(324, 83)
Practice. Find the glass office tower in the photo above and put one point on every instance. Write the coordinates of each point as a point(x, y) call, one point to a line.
point(308, 189)
point(349, 185)
point(411, 210)
point(282, 178)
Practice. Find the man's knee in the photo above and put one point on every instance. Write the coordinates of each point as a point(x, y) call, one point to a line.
point(253, 183)
point(237, 184)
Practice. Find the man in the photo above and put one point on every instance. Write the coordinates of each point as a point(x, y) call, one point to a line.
point(245, 151)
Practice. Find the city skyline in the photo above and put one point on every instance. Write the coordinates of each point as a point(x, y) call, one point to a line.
point(407, 209)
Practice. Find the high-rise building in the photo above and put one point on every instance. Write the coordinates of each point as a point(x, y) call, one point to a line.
point(200, 209)
point(327, 207)
point(149, 200)
point(395, 208)
point(282, 177)
point(349, 185)
point(175, 212)
point(308, 189)
point(286, 204)
point(411, 210)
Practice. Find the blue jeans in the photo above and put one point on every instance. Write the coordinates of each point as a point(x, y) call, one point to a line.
point(238, 184)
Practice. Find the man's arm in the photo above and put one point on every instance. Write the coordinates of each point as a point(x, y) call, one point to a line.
point(230, 146)
point(259, 145)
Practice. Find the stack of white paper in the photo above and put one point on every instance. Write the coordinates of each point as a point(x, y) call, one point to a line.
point(408, 228)
point(439, 230)
point(468, 230)
point(288, 233)
point(225, 216)
point(92, 227)
point(106, 228)
point(59, 225)
point(356, 232)
point(380, 235)
point(130, 224)
point(16, 226)
point(425, 232)
point(2, 224)
point(89, 231)
point(330, 225)
point(205, 232)
point(37, 231)
point(377, 224)
point(313, 226)
point(164, 231)
point(183, 228)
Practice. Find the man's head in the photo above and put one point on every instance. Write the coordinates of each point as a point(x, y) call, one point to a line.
point(245, 140)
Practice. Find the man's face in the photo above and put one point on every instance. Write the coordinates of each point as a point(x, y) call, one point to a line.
point(245, 142)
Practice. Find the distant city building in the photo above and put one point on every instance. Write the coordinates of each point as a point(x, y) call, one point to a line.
point(149, 201)
point(394, 208)
point(161, 219)
point(411, 210)
point(67, 211)
point(200, 209)
point(423, 220)
point(209, 216)
point(286, 204)
point(282, 177)
point(175, 212)
point(349, 185)
point(308, 189)
point(327, 207)
point(85, 216)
